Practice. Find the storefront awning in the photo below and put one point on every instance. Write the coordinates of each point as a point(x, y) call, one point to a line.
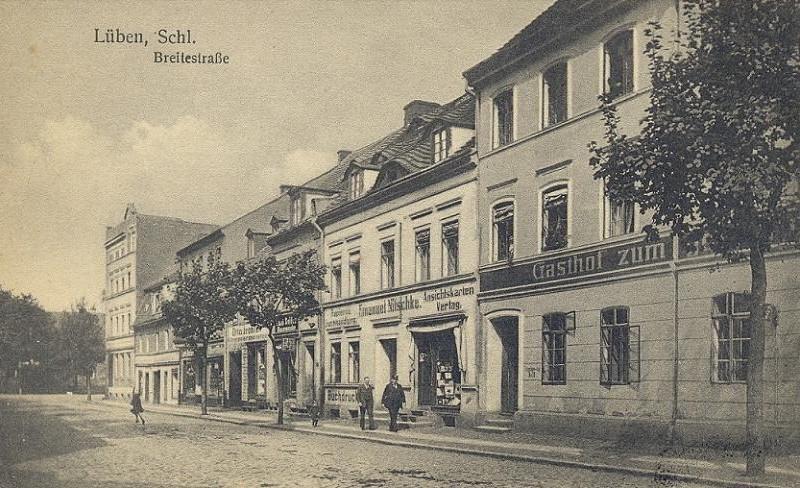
point(435, 324)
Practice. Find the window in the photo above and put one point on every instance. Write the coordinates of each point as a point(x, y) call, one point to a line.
point(336, 278)
point(354, 363)
point(554, 95)
point(503, 224)
point(422, 241)
point(130, 283)
point(554, 349)
point(251, 246)
point(554, 218)
point(336, 362)
point(297, 210)
point(618, 64)
point(619, 347)
point(355, 273)
point(731, 319)
point(450, 248)
point(441, 145)
point(618, 217)
point(387, 264)
point(356, 184)
point(130, 324)
point(504, 118)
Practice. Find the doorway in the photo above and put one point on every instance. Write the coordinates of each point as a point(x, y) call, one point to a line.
point(156, 387)
point(438, 373)
point(235, 378)
point(507, 331)
point(310, 373)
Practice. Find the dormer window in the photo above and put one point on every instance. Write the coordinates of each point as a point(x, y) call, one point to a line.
point(441, 145)
point(297, 210)
point(356, 184)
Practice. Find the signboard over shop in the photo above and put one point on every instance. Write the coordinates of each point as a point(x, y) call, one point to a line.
point(447, 299)
point(578, 265)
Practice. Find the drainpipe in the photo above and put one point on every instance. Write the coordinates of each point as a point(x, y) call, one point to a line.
point(676, 356)
point(320, 355)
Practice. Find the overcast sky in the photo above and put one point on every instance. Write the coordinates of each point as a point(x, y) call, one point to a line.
point(88, 126)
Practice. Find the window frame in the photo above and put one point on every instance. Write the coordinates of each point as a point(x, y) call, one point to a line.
point(354, 272)
point(336, 277)
point(422, 273)
point(388, 270)
point(732, 318)
point(448, 258)
point(627, 341)
point(356, 184)
point(608, 66)
point(550, 337)
point(336, 362)
point(553, 188)
point(608, 214)
point(495, 240)
point(353, 361)
point(508, 93)
point(441, 146)
point(546, 99)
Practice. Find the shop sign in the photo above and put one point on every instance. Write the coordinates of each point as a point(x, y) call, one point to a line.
point(238, 334)
point(578, 265)
point(341, 396)
point(437, 300)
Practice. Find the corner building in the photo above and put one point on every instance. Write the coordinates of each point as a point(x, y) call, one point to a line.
point(587, 329)
point(401, 248)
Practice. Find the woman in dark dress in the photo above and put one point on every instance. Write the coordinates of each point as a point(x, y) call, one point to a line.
point(136, 407)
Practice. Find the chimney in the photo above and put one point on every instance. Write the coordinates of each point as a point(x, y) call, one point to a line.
point(343, 153)
point(417, 107)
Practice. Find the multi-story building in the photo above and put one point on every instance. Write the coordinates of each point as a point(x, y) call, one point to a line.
point(402, 251)
point(137, 250)
point(157, 357)
point(239, 240)
point(585, 326)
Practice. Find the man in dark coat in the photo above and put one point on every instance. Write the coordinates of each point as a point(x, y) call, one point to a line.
point(366, 403)
point(136, 406)
point(393, 398)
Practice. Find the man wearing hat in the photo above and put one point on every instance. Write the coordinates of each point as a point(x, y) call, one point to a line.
point(393, 398)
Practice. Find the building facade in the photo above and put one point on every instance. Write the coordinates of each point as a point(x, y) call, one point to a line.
point(585, 326)
point(137, 250)
point(402, 255)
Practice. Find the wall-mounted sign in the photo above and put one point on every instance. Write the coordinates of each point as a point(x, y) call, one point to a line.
point(578, 265)
point(343, 396)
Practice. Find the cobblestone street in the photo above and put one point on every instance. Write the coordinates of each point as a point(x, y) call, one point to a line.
point(47, 441)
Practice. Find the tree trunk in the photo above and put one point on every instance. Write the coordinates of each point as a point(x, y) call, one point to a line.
point(279, 382)
point(755, 446)
point(203, 373)
point(88, 387)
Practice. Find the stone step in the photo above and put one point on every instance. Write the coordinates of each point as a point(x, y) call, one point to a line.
point(496, 429)
point(499, 422)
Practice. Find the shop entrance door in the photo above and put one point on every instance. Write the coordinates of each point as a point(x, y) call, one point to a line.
point(252, 369)
point(235, 379)
point(310, 369)
point(509, 365)
point(438, 371)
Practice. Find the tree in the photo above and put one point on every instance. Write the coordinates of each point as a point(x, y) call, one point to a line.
point(82, 343)
point(270, 292)
point(716, 157)
point(26, 332)
point(201, 305)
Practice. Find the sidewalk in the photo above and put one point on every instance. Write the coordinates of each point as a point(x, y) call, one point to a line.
point(719, 468)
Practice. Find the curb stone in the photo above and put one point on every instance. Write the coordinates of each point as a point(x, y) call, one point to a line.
point(608, 468)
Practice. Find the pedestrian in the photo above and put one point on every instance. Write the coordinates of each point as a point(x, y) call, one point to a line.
point(393, 398)
point(136, 406)
point(366, 404)
point(313, 412)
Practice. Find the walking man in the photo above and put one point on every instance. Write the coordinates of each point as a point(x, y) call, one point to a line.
point(393, 398)
point(136, 406)
point(366, 403)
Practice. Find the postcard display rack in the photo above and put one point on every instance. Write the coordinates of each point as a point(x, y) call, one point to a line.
point(448, 392)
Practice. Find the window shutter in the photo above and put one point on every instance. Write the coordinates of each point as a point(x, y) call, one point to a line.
point(605, 344)
point(634, 355)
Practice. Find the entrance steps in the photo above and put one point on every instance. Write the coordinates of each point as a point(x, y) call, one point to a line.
point(407, 419)
point(496, 424)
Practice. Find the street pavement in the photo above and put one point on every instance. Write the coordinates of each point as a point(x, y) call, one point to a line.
point(66, 442)
point(52, 441)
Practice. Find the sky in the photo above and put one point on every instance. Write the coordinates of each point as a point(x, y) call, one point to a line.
point(89, 126)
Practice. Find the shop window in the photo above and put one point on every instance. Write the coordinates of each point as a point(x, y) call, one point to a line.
point(554, 349)
point(355, 273)
point(554, 218)
point(731, 320)
point(387, 264)
point(554, 95)
point(618, 217)
point(619, 347)
point(618, 64)
point(450, 248)
point(441, 145)
point(336, 362)
point(503, 229)
point(354, 363)
point(422, 240)
point(336, 278)
point(504, 118)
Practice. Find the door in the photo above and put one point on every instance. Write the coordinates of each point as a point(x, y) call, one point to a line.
point(252, 372)
point(235, 378)
point(390, 350)
point(426, 384)
point(156, 387)
point(310, 370)
point(438, 367)
point(509, 366)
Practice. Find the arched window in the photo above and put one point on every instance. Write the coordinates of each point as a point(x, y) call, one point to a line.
point(555, 215)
